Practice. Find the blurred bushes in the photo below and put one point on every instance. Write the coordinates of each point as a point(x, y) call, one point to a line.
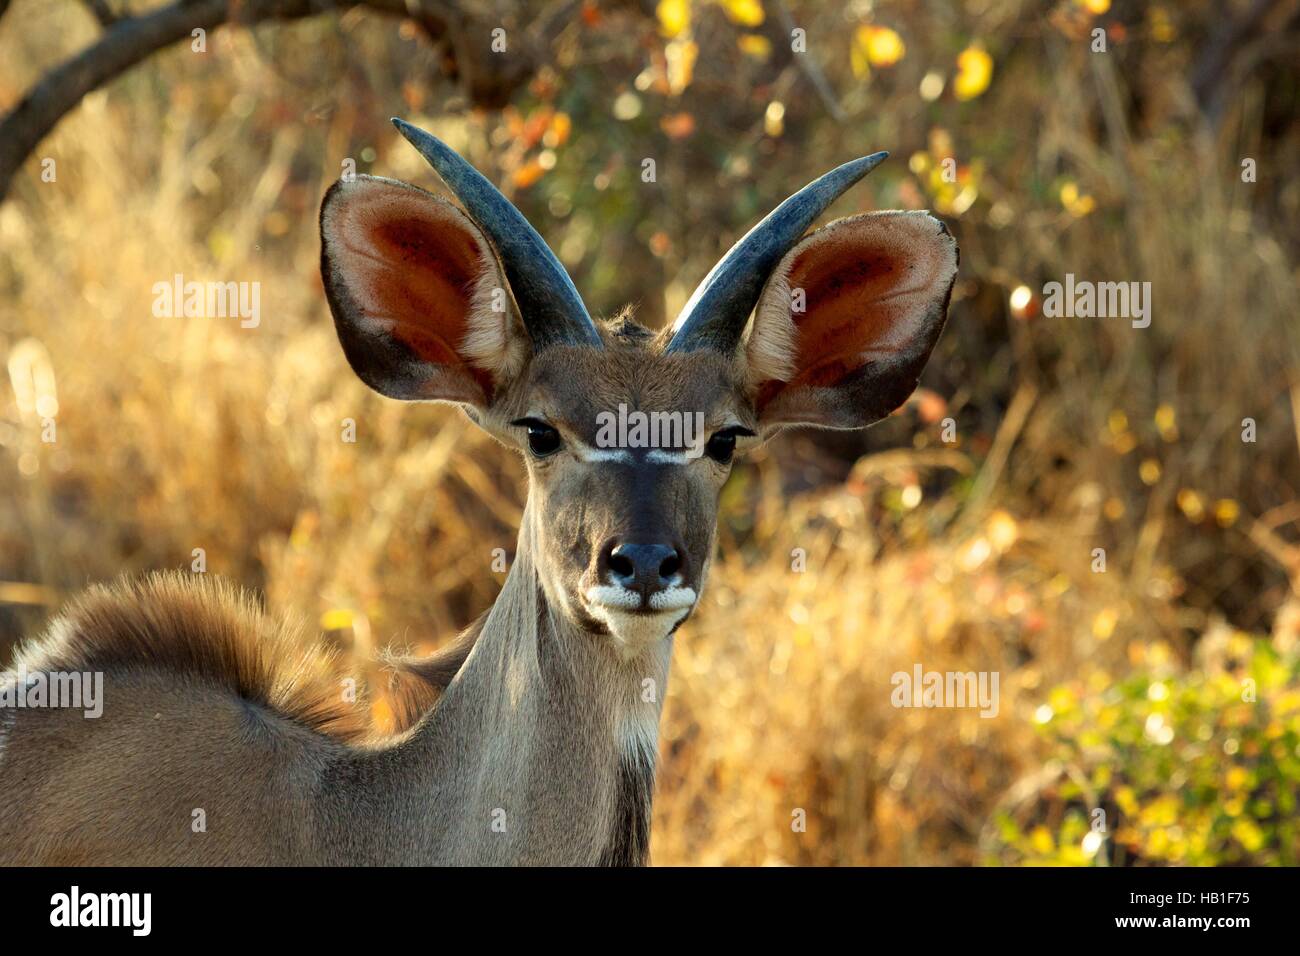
point(1199, 769)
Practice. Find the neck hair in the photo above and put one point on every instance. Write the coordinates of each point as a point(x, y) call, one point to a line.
point(545, 739)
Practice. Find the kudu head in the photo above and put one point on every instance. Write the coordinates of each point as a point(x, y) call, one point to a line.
point(437, 303)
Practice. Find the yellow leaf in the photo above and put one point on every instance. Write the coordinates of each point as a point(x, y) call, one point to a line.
point(1103, 624)
point(336, 619)
point(1167, 422)
point(674, 16)
point(974, 73)
point(1077, 203)
point(885, 48)
point(681, 56)
point(879, 46)
point(1162, 27)
point(1003, 530)
point(774, 119)
point(1248, 834)
point(858, 58)
point(558, 134)
point(1126, 800)
point(755, 45)
point(1041, 840)
point(1191, 504)
point(748, 13)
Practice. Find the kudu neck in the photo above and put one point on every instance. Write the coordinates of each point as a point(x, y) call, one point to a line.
point(547, 731)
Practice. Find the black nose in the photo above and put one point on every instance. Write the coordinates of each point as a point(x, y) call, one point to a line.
point(645, 568)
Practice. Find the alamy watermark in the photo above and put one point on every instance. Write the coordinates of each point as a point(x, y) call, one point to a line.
point(133, 911)
point(208, 300)
point(82, 690)
point(1083, 299)
point(946, 689)
point(681, 431)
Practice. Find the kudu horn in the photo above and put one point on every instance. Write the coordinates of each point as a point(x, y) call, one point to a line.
point(717, 311)
point(552, 311)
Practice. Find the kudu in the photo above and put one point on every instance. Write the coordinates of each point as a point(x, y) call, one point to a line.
point(541, 746)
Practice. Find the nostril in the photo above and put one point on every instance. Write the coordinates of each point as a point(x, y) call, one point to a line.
point(644, 567)
point(621, 565)
point(670, 566)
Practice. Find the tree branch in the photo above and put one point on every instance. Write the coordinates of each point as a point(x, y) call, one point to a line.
point(103, 12)
point(129, 40)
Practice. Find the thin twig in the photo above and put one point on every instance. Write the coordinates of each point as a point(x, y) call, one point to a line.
point(1012, 424)
point(812, 70)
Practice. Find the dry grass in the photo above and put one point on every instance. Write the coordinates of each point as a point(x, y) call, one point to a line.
point(181, 434)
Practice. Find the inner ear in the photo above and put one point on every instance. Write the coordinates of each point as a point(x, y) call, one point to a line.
point(848, 319)
point(417, 294)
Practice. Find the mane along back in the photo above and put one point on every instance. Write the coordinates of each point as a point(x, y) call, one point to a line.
point(207, 630)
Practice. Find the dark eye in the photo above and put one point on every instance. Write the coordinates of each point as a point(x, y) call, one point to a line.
point(543, 440)
point(723, 444)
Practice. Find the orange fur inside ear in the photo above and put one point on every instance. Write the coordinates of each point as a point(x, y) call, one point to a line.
point(869, 285)
point(417, 267)
point(850, 313)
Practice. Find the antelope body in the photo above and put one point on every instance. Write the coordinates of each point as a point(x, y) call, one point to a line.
point(541, 746)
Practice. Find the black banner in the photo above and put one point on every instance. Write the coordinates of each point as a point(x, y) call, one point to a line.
point(131, 905)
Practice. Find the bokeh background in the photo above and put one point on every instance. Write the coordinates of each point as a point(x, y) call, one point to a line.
point(1163, 692)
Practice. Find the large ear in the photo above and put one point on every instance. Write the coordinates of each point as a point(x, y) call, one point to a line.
point(417, 294)
point(848, 318)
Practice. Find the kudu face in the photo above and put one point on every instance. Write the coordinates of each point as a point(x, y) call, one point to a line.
point(432, 304)
point(623, 525)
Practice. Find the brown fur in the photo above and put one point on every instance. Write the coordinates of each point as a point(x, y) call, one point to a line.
point(204, 629)
point(416, 683)
point(201, 629)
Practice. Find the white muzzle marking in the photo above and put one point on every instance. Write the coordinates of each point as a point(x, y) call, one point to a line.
point(634, 630)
